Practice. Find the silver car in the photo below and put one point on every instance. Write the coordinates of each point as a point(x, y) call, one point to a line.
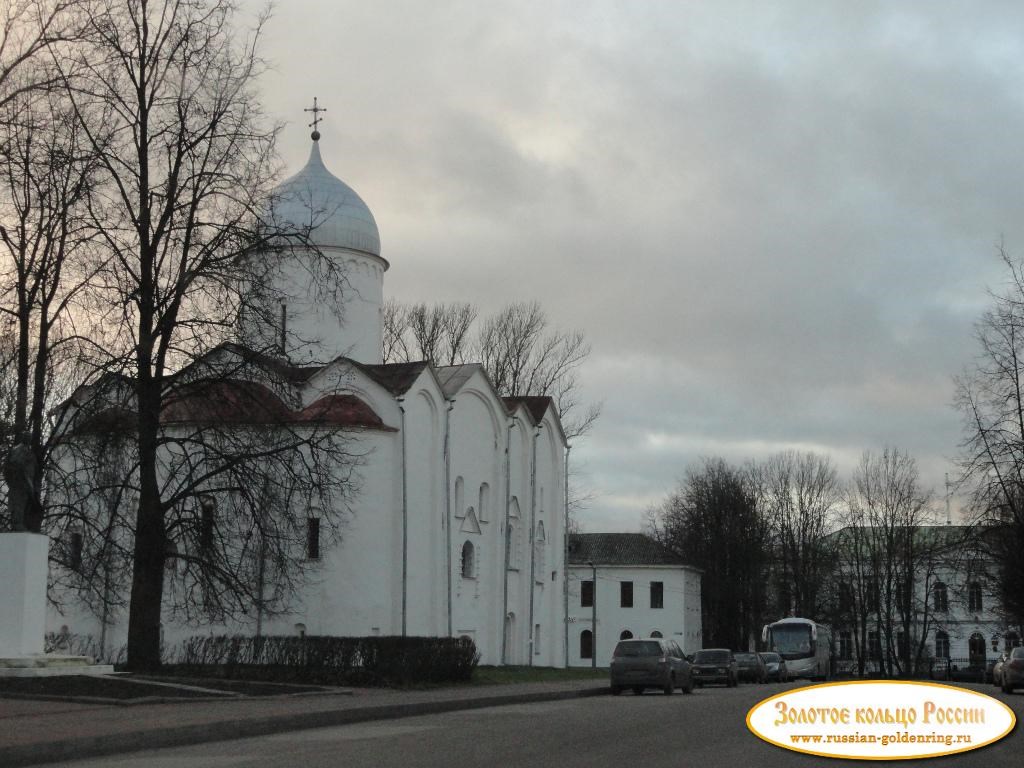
point(1013, 670)
point(650, 663)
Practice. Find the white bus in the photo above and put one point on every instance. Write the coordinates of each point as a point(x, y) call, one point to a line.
point(804, 644)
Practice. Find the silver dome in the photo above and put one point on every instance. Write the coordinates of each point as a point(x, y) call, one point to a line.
point(314, 198)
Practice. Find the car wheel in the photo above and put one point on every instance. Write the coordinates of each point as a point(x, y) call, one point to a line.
point(670, 685)
point(688, 688)
point(638, 690)
point(616, 690)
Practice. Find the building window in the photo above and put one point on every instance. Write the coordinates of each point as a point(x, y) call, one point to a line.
point(845, 596)
point(974, 596)
point(657, 594)
point(536, 639)
point(586, 644)
point(626, 635)
point(656, 633)
point(941, 645)
point(75, 546)
point(845, 645)
point(468, 561)
point(587, 594)
point(626, 594)
point(871, 595)
point(484, 507)
point(940, 597)
point(874, 646)
point(1011, 640)
point(207, 521)
point(313, 538)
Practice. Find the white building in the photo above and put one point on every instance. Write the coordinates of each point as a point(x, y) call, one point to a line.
point(459, 525)
point(628, 585)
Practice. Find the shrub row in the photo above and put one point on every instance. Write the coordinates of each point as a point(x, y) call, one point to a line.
point(330, 660)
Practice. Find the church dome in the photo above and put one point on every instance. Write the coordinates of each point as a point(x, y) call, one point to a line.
point(315, 198)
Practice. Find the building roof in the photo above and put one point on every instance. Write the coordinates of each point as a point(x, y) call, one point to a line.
point(537, 405)
point(619, 549)
point(317, 199)
point(396, 378)
point(452, 377)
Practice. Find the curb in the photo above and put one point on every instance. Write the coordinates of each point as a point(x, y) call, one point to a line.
point(225, 730)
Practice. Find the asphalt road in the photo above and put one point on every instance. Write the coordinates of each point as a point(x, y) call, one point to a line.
point(706, 728)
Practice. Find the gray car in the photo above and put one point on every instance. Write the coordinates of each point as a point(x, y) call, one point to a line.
point(653, 662)
point(1013, 670)
point(715, 665)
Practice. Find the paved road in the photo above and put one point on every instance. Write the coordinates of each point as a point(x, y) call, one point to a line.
point(703, 729)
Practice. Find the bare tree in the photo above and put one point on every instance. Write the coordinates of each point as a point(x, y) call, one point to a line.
point(164, 91)
point(990, 396)
point(713, 520)
point(28, 28)
point(799, 494)
point(890, 559)
point(47, 260)
point(520, 351)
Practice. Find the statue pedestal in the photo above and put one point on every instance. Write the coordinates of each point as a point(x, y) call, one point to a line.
point(23, 571)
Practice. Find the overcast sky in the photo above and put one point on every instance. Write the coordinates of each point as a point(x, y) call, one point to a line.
point(775, 221)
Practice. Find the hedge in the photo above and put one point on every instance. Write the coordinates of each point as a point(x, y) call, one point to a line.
point(331, 660)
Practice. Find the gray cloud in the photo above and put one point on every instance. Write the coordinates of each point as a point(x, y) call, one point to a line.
point(775, 221)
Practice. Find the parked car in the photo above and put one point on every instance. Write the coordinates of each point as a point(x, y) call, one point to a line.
point(1013, 670)
point(652, 662)
point(715, 665)
point(775, 667)
point(750, 667)
point(997, 669)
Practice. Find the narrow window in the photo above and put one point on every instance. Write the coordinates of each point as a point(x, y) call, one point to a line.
point(313, 538)
point(75, 550)
point(845, 645)
point(536, 639)
point(940, 597)
point(974, 597)
point(941, 645)
point(657, 594)
point(484, 507)
point(586, 644)
point(207, 522)
point(587, 594)
point(626, 594)
point(468, 561)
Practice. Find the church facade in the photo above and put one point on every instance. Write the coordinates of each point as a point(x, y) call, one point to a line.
point(458, 527)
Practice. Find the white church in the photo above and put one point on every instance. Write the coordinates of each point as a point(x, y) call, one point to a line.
point(459, 525)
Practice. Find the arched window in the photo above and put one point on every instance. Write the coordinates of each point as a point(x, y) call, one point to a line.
point(976, 649)
point(656, 633)
point(460, 498)
point(483, 509)
point(586, 644)
point(974, 597)
point(941, 645)
point(468, 561)
point(940, 597)
point(626, 635)
point(540, 554)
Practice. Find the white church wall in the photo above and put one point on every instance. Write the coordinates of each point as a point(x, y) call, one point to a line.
point(477, 457)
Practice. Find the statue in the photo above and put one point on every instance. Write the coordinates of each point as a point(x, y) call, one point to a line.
point(22, 499)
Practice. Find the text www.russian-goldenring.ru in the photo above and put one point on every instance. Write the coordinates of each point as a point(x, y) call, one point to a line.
point(949, 739)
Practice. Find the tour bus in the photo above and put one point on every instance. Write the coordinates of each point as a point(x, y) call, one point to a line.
point(804, 644)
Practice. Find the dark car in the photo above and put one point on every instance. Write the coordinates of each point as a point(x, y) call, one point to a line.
point(650, 663)
point(1013, 670)
point(775, 667)
point(715, 665)
point(751, 668)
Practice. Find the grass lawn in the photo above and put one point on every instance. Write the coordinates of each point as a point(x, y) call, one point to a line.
point(505, 675)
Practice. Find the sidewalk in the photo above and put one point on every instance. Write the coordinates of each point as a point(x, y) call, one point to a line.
point(35, 732)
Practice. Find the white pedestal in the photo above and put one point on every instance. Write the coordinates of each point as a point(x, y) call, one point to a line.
point(23, 571)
